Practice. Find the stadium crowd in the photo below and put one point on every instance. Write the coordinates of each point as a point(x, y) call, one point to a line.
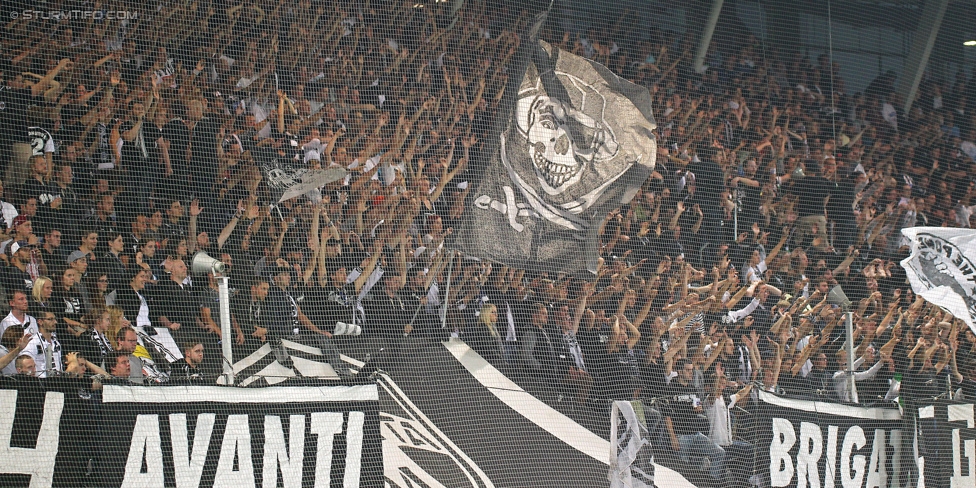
point(128, 146)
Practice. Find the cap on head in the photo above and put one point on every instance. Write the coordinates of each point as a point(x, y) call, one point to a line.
point(20, 219)
point(16, 246)
point(76, 255)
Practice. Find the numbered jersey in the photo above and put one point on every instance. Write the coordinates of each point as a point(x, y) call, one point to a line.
point(40, 140)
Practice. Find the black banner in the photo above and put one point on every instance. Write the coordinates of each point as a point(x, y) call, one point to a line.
point(56, 432)
point(48, 431)
point(946, 439)
point(816, 444)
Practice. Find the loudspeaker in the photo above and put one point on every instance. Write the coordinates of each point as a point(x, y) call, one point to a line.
point(201, 264)
point(837, 297)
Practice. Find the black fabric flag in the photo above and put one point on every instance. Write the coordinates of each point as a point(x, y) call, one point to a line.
point(573, 142)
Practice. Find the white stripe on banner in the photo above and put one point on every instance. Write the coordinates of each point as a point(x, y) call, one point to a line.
point(546, 417)
point(188, 394)
point(393, 457)
point(301, 347)
point(253, 359)
point(872, 413)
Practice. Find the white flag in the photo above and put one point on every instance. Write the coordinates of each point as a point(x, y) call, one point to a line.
point(631, 456)
point(941, 269)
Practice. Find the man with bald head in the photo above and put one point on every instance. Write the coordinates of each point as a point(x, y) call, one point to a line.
point(178, 307)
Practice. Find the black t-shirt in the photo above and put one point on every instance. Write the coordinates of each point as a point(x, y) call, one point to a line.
point(327, 305)
point(15, 279)
point(106, 227)
point(71, 209)
point(203, 146)
point(178, 135)
point(874, 389)
point(622, 374)
point(684, 418)
point(208, 297)
point(710, 183)
point(249, 313)
point(752, 195)
point(68, 304)
point(841, 203)
point(44, 192)
point(182, 372)
point(172, 231)
point(282, 314)
point(652, 378)
point(137, 152)
point(14, 103)
point(387, 315)
point(811, 192)
point(74, 343)
point(103, 157)
point(593, 343)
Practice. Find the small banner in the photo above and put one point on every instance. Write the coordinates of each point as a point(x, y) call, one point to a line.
point(631, 455)
point(941, 269)
point(809, 443)
point(289, 178)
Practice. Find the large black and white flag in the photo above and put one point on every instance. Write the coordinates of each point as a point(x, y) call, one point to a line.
point(573, 142)
point(941, 269)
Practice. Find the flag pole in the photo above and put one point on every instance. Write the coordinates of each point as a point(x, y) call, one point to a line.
point(447, 291)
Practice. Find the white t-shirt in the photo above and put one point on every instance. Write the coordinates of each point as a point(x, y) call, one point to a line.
point(39, 349)
point(29, 324)
point(10, 369)
point(8, 212)
point(142, 319)
point(720, 420)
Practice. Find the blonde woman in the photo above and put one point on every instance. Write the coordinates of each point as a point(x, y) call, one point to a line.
point(484, 337)
point(117, 321)
point(41, 294)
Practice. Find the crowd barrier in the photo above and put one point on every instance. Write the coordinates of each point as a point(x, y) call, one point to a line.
point(59, 432)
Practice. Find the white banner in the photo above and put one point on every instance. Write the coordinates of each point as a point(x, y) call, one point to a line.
point(941, 269)
point(631, 456)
